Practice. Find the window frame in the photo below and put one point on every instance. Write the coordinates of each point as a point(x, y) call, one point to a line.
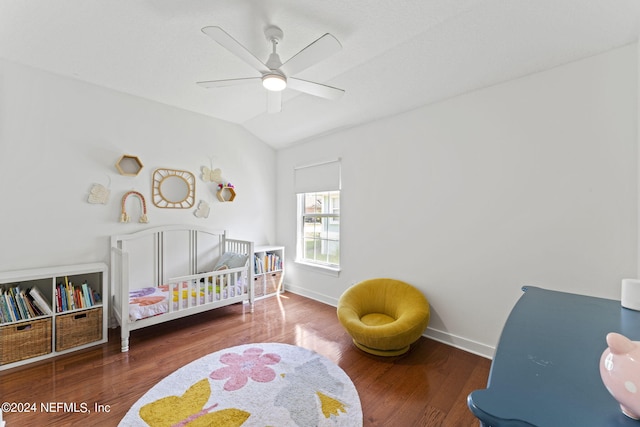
point(327, 267)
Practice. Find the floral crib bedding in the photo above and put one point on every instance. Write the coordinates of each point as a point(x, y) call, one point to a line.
point(154, 300)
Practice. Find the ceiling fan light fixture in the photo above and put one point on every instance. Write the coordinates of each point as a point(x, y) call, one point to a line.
point(274, 82)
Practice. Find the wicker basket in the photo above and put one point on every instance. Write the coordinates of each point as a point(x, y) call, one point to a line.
point(78, 328)
point(24, 340)
point(274, 282)
point(258, 288)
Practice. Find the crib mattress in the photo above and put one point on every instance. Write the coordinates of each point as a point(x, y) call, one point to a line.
point(154, 300)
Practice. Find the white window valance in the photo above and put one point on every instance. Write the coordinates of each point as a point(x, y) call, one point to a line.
point(321, 176)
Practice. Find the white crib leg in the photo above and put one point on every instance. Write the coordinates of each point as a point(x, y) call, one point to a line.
point(124, 347)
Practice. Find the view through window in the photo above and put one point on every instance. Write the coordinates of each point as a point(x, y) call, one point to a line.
point(319, 228)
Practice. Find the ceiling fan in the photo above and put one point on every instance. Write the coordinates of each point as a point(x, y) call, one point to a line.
point(276, 75)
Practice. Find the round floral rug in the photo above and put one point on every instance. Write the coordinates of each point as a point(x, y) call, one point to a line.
point(264, 384)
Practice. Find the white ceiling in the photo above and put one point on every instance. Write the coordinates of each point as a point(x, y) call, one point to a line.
point(397, 55)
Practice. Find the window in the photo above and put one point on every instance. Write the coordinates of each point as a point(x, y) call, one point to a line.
point(319, 228)
point(317, 187)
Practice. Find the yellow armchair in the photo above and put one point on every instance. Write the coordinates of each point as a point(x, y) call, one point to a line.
point(383, 316)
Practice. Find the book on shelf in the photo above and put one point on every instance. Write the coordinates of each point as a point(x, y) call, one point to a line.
point(258, 265)
point(272, 262)
point(17, 304)
point(58, 299)
point(5, 307)
point(269, 262)
point(68, 293)
point(71, 297)
point(33, 307)
point(31, 313)
point(27, 309)
point(4, 312)
point(17, 297)
point(40, 301)
point(13, 308)
point(89, 296)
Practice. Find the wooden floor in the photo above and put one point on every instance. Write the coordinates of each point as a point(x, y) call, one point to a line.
point(426, 387)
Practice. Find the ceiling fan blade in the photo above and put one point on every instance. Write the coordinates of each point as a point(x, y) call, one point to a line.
point(316, 89)
point(274, 101)
point(228, 82)
point(320, 49)
point(232, 45)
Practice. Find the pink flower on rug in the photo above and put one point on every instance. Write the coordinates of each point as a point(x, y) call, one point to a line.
point(250, 364)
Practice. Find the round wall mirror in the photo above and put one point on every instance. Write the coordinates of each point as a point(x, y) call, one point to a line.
point(173, 188)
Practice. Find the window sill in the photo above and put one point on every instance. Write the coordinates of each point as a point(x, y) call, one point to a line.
point(318, 268)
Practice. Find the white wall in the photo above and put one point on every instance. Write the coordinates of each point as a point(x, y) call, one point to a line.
point(58, 136)
point(533, 181)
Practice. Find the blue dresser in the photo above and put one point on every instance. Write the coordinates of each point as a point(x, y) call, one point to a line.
point(545, 372)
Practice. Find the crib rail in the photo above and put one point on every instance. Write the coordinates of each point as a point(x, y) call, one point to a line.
point(239, 246)
point(206, 288)
point(119, 275)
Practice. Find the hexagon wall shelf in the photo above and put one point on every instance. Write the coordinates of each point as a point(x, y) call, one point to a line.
point(226, 194)
point(129, 165)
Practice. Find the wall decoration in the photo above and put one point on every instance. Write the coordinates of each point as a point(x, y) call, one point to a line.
point(124, 217)
point(203, 210)
point(209, 175)
point(226, 192)
point(99, 194)
point(129, 165)
point(173, 188)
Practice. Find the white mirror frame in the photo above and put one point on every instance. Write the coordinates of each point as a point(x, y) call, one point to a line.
point(163, 197)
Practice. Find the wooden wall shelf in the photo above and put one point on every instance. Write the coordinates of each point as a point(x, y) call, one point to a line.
point(226, 194)
point(129, 165)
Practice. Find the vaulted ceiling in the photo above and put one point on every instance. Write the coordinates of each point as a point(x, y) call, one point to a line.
point(396, 55)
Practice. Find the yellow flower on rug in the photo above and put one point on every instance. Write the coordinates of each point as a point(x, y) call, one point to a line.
point(330, 406)
point(188, 410)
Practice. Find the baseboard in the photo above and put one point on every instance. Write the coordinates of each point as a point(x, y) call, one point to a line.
point(460, 342)
point(311, 295)
point(434, 334)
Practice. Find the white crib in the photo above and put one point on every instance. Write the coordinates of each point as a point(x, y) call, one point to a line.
point(168, 272)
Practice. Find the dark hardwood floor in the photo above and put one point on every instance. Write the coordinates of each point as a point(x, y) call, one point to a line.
point(426, 387)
